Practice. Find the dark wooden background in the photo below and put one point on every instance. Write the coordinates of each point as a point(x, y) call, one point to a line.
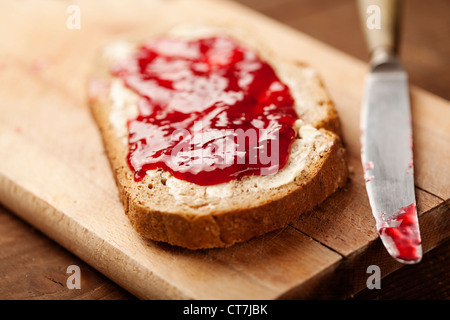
point(34, 267)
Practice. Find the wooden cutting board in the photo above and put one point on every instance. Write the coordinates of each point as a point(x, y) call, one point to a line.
point(55, 175)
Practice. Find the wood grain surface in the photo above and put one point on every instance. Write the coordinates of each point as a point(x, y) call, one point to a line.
point(309, 256)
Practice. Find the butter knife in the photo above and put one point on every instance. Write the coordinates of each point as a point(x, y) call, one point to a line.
point(386, 135)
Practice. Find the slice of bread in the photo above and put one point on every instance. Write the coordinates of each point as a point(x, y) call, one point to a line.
point(163, 208)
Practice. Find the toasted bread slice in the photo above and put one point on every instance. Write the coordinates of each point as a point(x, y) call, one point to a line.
point(163, 208)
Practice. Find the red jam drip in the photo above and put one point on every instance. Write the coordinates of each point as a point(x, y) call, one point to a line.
point(404, 234)
point(201, 104)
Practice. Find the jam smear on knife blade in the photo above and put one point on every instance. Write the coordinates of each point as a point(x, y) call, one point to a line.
point(401, 231)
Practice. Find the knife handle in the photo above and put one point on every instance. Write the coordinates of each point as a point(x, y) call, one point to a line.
point(379, 19)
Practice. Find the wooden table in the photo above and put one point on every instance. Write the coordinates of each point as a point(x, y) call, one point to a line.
point(34, 267)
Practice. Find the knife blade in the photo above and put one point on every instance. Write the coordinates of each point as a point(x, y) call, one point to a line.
point(387, 139)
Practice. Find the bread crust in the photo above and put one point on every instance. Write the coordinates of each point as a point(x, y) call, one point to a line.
point(155, 214)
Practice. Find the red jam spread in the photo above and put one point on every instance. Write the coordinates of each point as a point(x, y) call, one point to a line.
point(210, 111)
point(402, 231)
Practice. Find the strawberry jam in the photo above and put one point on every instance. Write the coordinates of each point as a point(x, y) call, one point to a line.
point(210, 111)
point(402, 234)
